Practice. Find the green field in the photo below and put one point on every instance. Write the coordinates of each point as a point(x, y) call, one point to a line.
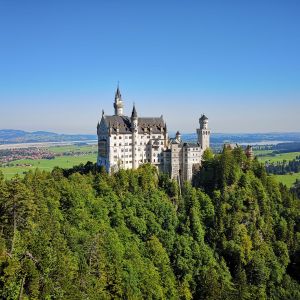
point(278, 157)
point(73, 148)
point(287, 179)
point(48, 164)
point(263, 152)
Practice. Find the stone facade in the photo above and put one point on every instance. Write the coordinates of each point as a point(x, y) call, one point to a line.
point(127, 142)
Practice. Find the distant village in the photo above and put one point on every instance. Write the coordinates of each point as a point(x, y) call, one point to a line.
point(8, 156)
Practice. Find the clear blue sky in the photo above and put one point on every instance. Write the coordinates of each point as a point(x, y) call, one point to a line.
point(237, 61)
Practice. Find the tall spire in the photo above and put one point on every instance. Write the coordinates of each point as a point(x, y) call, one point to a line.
point(134, 113)
point(118, 93)
point(118, 104)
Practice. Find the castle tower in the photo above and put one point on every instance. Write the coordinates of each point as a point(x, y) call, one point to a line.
point(178, 136)
point(134, 128)
point(203, 133)
point(118, 104)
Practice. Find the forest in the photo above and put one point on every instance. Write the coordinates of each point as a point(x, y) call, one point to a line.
point(233, 233)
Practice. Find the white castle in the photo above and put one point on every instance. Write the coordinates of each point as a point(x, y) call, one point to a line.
point(128, 142)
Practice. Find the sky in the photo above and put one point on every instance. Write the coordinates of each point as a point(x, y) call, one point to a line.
point(236, 61)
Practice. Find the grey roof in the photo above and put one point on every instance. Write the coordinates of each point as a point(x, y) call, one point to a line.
point(175, 141)
point(157, 125)
point(203, 117)
point(134, 113)
point(191, 145)
point(118, 93)
point(154, 123)
point(123, 123)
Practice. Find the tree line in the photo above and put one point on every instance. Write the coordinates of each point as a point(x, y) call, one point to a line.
point(284, 167)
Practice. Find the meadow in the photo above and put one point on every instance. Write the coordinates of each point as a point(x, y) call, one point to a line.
point(267, 156)
point(65, 161)
point(73, 148)
point(263, 152)
point(287, 179)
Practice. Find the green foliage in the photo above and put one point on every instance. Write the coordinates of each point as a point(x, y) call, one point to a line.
point(254, 227)
point(208, 154)
point(84, 234)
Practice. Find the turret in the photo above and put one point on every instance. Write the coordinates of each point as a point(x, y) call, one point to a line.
point(134, 113)
point(203, 133)
point(178, 136)
point(203, 122)
point(118, 104)
point(134, 128)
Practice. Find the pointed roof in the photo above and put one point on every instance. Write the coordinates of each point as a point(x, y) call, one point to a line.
point(191, 145)
point(203, 117)
point(134, 113)
point(118, 93)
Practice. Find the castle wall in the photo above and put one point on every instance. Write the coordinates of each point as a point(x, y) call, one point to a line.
point(121, 154)
point(126, 143)
point(192, 156)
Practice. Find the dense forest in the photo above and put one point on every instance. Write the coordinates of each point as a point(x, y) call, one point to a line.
point(287, 147)
point(296, 188)
point(234, 233)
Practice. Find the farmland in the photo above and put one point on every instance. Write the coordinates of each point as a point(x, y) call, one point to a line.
point(268, 156)
point(68, 156)
point(288, 179)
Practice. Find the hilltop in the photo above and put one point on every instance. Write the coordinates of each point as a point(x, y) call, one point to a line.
point(21, 136)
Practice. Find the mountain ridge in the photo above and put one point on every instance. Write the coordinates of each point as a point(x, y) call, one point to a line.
point(22, 136)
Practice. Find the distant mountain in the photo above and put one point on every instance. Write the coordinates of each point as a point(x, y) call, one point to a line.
point(221, 138)
point(20, 136)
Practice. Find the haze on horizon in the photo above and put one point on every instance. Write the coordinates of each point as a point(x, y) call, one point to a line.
point(238, 62)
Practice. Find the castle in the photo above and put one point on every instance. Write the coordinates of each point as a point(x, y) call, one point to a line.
point(127, 142)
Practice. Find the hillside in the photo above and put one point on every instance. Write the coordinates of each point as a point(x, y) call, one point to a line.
point(83, 234)
point(20, 136)
point(217, 139)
